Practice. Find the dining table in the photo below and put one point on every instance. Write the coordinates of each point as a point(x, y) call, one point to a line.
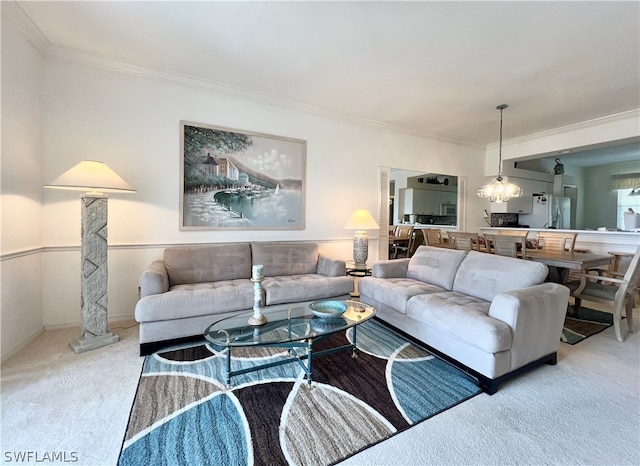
point(562, 263)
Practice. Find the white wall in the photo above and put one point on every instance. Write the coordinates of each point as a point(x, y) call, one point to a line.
point(21, 141)
point(132, 123)
point(56, 113)
point(21, 315)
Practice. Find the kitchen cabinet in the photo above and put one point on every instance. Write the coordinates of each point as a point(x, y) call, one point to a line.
point(517, 205)
point(435, 201)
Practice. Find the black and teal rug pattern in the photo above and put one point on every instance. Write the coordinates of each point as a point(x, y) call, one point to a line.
point(183, 415)
point(586, 323)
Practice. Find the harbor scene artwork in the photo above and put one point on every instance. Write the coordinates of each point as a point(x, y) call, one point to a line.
point(235, 179)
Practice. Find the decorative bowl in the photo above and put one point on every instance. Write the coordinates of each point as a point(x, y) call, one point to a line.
point(322, 325)
point(328, 309)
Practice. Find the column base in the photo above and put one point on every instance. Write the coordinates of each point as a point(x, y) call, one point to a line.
point(81, 344)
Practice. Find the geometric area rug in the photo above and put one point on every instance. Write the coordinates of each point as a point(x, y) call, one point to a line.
point(588, 323)
point(183, 414)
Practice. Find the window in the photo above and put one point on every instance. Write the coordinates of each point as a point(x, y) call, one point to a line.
point(627, 201)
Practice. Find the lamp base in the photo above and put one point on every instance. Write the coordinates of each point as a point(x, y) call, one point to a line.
point(81, 344)
point(360, 248)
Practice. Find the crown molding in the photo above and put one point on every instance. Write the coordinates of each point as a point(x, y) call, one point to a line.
point(83, 58)
point(26, 26)
point(583, 125)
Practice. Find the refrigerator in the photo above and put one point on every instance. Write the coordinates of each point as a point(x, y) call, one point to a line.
point(549, 211)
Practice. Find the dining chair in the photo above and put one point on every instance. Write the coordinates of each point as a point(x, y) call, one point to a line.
point(403, 231)
point(463, 240)
point(616, 269)
point(407, 250)
point(611, 292)
point(392, 234)
point(507, 245)
point(403, 236)
point(416, 241)
point(432, 236)
point(556, 241)
point(619, 265)
point(517, 232)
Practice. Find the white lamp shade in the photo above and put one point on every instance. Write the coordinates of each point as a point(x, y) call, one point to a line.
point(361, 219)
point(95, 177)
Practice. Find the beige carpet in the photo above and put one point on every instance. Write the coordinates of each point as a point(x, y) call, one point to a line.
point(585, 410)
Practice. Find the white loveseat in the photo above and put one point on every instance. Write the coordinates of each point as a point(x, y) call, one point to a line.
point(491, 316)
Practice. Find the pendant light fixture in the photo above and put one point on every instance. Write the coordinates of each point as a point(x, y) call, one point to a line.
point(499, 191)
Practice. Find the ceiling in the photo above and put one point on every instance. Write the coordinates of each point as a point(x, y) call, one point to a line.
point(436, 69)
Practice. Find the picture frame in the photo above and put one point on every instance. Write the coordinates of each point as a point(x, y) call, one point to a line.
point(233, 179)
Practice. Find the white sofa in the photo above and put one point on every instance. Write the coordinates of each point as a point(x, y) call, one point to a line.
point(195, 286)
point(491, 316)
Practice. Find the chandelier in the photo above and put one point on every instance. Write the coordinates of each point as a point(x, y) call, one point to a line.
point(498, 190)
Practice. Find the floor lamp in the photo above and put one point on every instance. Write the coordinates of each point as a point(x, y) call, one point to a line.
point(360, 221)
point(96, 178)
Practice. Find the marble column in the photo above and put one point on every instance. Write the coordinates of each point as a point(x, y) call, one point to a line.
point(94, 277)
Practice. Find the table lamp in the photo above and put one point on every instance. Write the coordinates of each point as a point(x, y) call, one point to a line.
point(360, 221)
point(96, 178)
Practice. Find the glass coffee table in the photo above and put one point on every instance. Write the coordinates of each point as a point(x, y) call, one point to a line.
point(295, 328)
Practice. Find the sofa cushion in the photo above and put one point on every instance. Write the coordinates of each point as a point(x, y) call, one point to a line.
point(462, 317)
point(282, 258)
point(435, 265)
point(197, 299)
point(485, 275)
point(395, 292)
point(202, 264)
point(308, 287)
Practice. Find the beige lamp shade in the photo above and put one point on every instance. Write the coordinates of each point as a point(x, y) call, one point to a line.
point(361, 219)
point(94, 177)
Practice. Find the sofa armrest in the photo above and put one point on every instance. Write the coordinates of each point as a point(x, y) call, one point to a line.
point(536, 317)
point(396, 268)
point(154, 279)
point(331, 267)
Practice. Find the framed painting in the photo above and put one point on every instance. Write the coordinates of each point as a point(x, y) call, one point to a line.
point(240, 180)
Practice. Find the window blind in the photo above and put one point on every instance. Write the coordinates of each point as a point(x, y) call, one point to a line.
point(625, 181)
